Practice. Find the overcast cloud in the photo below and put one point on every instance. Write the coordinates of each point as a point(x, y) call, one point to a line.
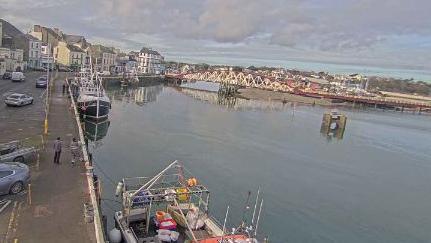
point(375, 32)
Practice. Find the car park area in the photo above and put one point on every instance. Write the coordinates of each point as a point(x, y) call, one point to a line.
point(23, 124)
point(20, 123)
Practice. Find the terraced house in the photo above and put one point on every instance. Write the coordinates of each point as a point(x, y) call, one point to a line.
point(103, 57)
point(34, 50)
point(69, 55)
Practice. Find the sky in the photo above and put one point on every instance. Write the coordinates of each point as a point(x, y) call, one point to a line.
point(383, 33)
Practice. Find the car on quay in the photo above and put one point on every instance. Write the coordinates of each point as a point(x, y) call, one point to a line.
point(17, 77)
point(14, 177)
point(41, 82)
point(64, 69)
point(7, 75)
point(17, 99)
point(16, 152)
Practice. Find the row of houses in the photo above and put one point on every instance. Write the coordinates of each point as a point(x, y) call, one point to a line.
point(72, 51)
point(45, 47)
point(11, 56)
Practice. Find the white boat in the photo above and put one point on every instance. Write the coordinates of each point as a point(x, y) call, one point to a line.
point(172, 207)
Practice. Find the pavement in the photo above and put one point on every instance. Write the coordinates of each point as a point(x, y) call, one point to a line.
point(51, 209)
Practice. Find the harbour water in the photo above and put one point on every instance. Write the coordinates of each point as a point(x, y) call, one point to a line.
point(370, 186)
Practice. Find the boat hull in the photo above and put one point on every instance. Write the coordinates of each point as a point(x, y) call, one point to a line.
point(94, 110)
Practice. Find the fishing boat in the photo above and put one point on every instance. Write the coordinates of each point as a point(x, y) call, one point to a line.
point(173, 207)
point(92, 101)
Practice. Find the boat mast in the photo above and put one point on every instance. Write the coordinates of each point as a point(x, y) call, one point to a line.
point(258, 218)
point(225, 219)
point(255, 206)
point(154, 179)
point(246, 208)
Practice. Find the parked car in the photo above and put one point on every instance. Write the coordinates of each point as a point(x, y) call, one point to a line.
point(64, 69)
point(17, 77)
point(7, 75)
point(41, 82)
point(16, 152)
point(16, 99)
point(14, 177)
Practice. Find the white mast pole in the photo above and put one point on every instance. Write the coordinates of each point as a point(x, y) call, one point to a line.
point(225, 219)
point(255, 206)
point(258, 218)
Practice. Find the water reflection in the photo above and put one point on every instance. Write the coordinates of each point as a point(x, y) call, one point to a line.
point(139, 95)
point(95, 131)
point(231, 102)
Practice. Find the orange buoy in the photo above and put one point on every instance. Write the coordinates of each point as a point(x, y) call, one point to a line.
point(192, 182)
point(160, 215)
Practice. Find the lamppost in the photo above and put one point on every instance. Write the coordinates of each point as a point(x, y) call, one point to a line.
point(48, 83)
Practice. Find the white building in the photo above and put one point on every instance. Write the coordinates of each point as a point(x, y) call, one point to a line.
point(46, 59)
point(2, 65)
point(12, 59)
point(104, 58)
point(4, 52)
point(150, 62)
point(1, 33)
point(34, 52)
point(108, 60)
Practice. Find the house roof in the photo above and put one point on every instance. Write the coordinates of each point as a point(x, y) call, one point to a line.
point(30, 37)
point(74, 48)
point(52, 32)
point(98, 50)
point(150, 51)
point(75, 39)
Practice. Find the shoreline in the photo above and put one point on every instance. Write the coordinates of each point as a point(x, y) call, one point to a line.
point(268, 95)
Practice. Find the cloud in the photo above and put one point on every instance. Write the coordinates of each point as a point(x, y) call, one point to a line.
point(332, 28)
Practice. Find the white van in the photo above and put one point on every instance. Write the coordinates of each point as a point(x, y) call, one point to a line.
point(17, 77)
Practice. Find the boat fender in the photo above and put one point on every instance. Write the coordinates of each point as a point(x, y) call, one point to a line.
point(192, 182)
point(119, 189)
point(115, 236)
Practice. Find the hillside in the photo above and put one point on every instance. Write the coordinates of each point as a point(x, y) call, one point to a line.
point(18, 40)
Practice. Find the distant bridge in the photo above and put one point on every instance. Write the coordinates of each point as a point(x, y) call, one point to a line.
point(241, 79)
point(273, 83)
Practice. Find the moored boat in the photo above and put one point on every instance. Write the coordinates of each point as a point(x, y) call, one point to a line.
point(92, 101)
point(173, 207)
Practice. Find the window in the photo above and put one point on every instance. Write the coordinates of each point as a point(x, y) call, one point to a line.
point(3, 174)
point(5, 151)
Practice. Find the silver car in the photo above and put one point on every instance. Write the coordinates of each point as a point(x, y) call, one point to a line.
point(15, 151)
point(14, 177)
point(17, 99)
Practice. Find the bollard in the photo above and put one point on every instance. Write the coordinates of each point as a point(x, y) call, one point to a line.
point(46, 126)
point(29, 194)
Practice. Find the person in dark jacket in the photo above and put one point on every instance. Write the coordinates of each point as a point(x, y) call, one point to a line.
point(57, 150)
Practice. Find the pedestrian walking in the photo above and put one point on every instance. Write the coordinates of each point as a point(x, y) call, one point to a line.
point(57, 150)
point(64, 87)
point(74, 149)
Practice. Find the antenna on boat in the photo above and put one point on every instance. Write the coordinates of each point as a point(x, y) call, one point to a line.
point(258, 218)
point(246, 208)
point(255, 206)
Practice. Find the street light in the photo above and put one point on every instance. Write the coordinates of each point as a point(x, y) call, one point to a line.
point(47, 97)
